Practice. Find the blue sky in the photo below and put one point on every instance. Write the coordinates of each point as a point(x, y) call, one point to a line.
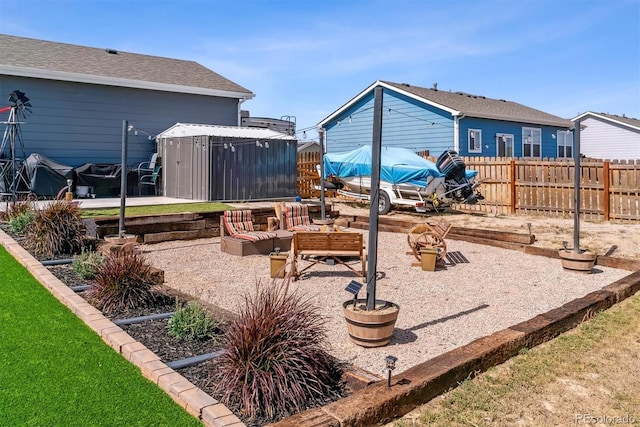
point(307, 58)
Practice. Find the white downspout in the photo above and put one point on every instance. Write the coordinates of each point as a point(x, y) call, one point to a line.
point(456, 131)
point(240, 101)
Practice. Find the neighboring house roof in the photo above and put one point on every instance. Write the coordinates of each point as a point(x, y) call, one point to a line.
point(27, 57)
point(308, 144)
point(621, 120)
point(190, 129)
point(464, 104)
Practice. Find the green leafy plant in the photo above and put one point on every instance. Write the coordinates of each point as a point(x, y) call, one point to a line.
point(56, 229)
point(18, 224)
point(191, 321)
point(122, 281)
point(274, 361)
point(86, 263)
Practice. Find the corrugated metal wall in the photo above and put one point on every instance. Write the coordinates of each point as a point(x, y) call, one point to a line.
point(229, 169)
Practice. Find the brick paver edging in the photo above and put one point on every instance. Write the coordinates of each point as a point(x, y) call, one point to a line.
point(195, 401)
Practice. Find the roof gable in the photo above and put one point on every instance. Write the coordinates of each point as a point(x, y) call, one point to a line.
point(464, 104)
point(60, 61)
point(621, 120)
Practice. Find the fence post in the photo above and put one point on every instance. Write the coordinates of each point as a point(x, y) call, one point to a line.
point(512, 185)
point(607, 197)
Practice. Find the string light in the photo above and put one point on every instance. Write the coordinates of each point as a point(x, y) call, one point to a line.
point(135, 130)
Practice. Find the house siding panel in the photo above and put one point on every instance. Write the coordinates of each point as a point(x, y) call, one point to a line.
point(405, 123)
point(607, 140)
point(416, 124)
point(490, 130)
point(76, 123)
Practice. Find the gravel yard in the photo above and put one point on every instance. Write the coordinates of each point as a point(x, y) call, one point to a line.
point(439, 310)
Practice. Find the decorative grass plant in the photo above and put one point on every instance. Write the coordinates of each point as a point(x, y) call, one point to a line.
point(16, 208)
point(56, 229)
point(275, 362)
point(122, 281)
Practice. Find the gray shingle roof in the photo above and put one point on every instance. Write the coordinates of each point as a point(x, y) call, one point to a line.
point(67, 58)
point(480, 106)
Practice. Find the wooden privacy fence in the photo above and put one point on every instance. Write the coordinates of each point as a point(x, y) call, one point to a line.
point(609, 189)
point(308, 177)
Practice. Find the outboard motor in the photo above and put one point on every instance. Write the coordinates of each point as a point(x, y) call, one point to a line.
point(452, 166)
point(457, 185)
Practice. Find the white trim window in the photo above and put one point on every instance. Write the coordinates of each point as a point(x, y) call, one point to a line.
point(565, 144)
point(475, 141)
point(531, 142)
point(505, 144)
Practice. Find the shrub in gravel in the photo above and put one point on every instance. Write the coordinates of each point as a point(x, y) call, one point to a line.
point(192, 322)
point(122, 281)
point(274, 362)
point(56, 229)
point(86, 263)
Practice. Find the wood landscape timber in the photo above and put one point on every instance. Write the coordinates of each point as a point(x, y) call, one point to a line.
point(456, 232)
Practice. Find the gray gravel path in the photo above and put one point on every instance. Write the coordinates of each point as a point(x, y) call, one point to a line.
point(439, 310)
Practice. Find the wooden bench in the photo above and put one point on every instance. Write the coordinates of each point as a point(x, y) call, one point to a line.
point(323, 246)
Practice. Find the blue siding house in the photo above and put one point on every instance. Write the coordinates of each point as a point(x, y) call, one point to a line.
point(430, 119)
point(81, 95)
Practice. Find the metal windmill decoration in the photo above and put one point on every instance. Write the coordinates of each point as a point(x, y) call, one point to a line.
point(19, 109)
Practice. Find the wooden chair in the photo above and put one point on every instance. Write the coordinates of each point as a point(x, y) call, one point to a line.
point(427, 235)
point(295, 217)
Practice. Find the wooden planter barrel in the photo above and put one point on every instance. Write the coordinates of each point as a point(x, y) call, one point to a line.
point(373, 328)
point(582, 261)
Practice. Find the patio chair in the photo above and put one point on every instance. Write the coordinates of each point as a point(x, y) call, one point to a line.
point(239, 224)
point(296, 218)
point(239, 237)
point(149, 179)
point(147, 168)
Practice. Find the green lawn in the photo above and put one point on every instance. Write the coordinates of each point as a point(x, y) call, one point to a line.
point(158, 209)
point(55, 371)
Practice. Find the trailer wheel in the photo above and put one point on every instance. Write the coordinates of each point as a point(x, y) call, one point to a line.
point(384, 203)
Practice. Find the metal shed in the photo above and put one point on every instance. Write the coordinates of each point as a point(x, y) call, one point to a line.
point(227, 163)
